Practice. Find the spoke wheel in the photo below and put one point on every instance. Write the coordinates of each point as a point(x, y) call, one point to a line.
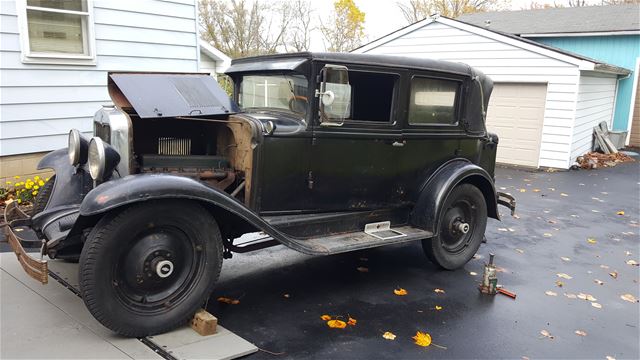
point(147, 269)
point(461, 226)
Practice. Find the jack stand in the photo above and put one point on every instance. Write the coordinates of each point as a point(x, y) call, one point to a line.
point(489, 278)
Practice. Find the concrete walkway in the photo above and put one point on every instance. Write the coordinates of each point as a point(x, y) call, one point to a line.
point(51, 321)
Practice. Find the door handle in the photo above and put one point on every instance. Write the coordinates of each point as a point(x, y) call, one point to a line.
point(398, 143)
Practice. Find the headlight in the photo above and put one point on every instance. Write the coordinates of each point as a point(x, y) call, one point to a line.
point(78, 145)
point(102, 159)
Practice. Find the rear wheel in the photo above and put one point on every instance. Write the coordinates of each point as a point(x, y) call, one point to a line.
point(462, 223)
point(147, 269)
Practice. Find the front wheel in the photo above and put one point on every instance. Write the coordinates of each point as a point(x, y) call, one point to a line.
point(148, 268)
point(461, 226)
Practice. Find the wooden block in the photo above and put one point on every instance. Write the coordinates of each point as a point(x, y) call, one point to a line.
point(204, 323)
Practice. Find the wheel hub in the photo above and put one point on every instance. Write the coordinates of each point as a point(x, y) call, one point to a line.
point(164, 268)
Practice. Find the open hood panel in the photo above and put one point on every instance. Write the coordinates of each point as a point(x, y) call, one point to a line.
point(154, 95)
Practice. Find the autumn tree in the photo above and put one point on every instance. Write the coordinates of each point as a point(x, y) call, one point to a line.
point(417, 10)
point(240, 28)
point(345, 29)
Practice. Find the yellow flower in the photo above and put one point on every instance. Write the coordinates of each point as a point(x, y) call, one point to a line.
point(41, 183)
point(36, 178)
point(9, 183)
point(16, 177)
point(34, 193)
point(28, 186)
point(19, 201)
point(36, 187)
point(47, 179)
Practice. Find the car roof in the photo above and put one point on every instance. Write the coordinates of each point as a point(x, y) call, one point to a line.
point(292, 61)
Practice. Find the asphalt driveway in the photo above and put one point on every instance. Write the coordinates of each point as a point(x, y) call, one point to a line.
point(283, 294)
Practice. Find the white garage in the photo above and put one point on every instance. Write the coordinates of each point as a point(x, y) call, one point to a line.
point(545, 101)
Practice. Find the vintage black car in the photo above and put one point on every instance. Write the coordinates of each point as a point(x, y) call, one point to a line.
point(323, 153)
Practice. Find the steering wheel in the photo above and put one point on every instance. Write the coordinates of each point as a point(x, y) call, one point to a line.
point(298, 104)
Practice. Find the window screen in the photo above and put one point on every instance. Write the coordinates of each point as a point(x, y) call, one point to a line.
point(432, 101)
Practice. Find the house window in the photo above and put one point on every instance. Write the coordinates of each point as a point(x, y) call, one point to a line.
point(57, 31)
point(433, 101)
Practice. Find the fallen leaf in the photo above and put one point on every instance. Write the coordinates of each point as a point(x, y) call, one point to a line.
point(609, 357)
point(552, 189)
point(536, 190)
point(551, 293)
point(389, 335)
point(523, 190)
point(628, 253)
point(362, 269)
point(596, 305)
point(227, 300)
point(516, 216)
point(592, 240)
point(620, 212)
point(551, 221)
point(422, 339)
point(286, 296)
point(400, 292)
point(614, 274)
point(559, 283)
point(547, 235)
point(564, 276)
point(546, 334)
point(502, 229)
point(604, 266)
point(520, 251)
point(337, 324)
point(473, 273)
point(439, 291)
point(325, 317)
point(570, 295)
point(563, 194)
point(581, 333)
point(438, 307)
point(595, 211)
point(599, 282)
point(352, 321)
point(629, 298)
point(631, 262)
point(564, 258)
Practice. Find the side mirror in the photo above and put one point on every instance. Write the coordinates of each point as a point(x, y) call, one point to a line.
point(335, 95)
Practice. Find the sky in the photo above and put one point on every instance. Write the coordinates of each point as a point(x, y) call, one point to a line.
point(384, 16)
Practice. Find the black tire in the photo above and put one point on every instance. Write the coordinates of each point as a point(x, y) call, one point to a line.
point(41, 200)
point(451, 248)
point(117, 279)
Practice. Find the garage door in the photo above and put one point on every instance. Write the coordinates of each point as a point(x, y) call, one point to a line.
point(516, 114)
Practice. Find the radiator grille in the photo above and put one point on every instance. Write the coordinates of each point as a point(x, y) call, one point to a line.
point(103, 131)
point(174, 146)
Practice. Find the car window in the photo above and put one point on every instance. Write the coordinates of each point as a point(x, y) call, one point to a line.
point(371, 96)
point(433, 101)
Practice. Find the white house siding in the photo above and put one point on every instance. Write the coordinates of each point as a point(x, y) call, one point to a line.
point(504, 63)
point(596, 101)
point(40, 103)
point(207, 65)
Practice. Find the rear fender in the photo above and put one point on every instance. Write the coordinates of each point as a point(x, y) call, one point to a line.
point(132, 189)
point(434, 192)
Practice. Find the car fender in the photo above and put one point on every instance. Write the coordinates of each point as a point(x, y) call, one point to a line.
point(437, 187)
point(132, 189)
point(71, 183)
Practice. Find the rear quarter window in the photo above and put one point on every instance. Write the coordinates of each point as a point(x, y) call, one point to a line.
point(433, 101)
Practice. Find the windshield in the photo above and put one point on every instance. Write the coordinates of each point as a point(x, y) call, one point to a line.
point(278, 91)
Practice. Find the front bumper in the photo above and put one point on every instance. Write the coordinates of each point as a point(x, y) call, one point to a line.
point(508, 201)
point(19, 232)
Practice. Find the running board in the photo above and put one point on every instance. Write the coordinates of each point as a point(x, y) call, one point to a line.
point(345, 242)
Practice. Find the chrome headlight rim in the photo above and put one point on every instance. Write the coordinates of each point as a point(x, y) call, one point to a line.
point(96, 158)
point(74, 147)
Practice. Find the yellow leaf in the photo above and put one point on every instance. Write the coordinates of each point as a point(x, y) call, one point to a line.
point(599, 282)
point(581, 333)
point(438, 307)
point(523, 190)
point(400, 292)
point(620, 212)
point(614, 274)
point(547, 235)
point(559, 283)
point(439, 291)
point(352, 321)
point(629, 298)
point(591, 241)
point(536, 190)
point(546, 334)
point(564, 276)
point(337, 324)
point(551, 293)
point(389, 335)
point(325, 317)
point(227, 300)
point(631, 262)
point(596, 305)
point(422, 339)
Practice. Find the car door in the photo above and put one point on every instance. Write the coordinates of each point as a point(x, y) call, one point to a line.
point(354, 163)
point(432, 128)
